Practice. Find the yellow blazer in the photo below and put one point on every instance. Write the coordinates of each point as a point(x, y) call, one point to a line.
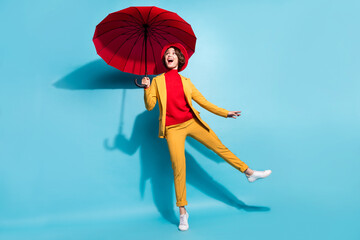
point(157, 91)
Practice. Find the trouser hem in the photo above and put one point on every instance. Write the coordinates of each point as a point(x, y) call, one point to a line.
point(246, 168)
point(181, 204)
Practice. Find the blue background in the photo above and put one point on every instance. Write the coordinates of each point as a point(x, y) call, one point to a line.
point(80, 157)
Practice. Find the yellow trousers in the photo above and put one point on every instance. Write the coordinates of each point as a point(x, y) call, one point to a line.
point(176, 135)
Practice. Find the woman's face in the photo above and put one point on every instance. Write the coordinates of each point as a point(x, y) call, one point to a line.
point(171, 59)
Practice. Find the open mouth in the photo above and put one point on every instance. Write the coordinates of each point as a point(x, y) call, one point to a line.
point(170, 60)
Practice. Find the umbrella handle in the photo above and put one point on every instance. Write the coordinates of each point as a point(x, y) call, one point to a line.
point(139, 85)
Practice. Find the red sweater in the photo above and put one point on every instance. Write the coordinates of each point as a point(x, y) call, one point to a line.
point(177, 109)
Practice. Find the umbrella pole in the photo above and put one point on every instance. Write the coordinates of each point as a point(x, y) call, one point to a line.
point(122, 112)
point(145, 41)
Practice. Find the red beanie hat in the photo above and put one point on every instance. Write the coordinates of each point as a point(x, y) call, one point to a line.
point(182, 50)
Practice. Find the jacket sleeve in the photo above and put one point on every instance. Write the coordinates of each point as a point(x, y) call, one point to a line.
point(150, 95)
point(201, 100)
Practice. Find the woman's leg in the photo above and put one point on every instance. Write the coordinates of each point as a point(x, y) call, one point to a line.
point(249, 172)
point(182, 210)
point(175, 136)
point(211, 141)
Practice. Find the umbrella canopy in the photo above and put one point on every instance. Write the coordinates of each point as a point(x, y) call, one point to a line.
point(131, 39)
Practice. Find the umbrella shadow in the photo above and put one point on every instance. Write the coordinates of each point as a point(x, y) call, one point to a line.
point(97, 75)
point(156, 167)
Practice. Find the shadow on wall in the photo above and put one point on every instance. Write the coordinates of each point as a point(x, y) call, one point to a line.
point(97, 75)
point(154, 153)
point(156, 167)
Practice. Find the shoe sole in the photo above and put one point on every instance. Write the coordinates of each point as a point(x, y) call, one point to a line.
point(259, 178)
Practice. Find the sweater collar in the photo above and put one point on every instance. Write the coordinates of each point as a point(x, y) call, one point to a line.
point(171, 72)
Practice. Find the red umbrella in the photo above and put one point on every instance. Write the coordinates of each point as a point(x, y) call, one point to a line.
point(131, 39)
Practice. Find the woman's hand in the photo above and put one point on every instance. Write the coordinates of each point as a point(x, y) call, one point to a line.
point(146, 81)
point(234, 114)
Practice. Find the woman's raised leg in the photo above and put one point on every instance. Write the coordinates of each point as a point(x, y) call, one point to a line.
point(211, 141)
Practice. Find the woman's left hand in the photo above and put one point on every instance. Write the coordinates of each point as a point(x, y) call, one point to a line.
point(234, 114)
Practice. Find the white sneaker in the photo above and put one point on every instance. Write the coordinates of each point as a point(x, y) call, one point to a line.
point(184, 225)
point(258, 174)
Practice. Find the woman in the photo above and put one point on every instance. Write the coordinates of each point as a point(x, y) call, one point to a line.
point(178, 119)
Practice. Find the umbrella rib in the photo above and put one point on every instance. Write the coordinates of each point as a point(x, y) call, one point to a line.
point(159, 29)
point(181, 41)
point(136, 20)
point(152, 50)
point(120, 45)
point(127, 58)
point(134, 64)
point(141, 53)
point(155, 39)
point(161, 36)
point(175, 20)
point(117, 20)
point(147, 19)
point(151, 21)
point(140, 14)
point(136, 29)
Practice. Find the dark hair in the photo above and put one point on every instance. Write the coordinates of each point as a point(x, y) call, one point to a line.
point(178, 54)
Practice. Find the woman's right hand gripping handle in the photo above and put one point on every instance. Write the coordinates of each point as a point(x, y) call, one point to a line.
point(146, 81)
